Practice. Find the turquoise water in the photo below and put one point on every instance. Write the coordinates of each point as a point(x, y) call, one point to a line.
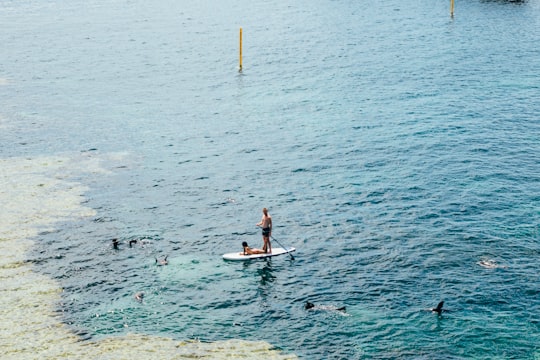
point(396, 148)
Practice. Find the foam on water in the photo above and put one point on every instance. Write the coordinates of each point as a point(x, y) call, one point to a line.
point(37, 194)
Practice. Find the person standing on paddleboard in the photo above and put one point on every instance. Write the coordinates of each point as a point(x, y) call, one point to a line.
point(266, 224)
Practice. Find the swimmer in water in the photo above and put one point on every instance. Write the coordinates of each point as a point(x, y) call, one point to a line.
point(163, 261)
point(439, 309)
point(139, 296)
point(310, 305)
point(491, 264)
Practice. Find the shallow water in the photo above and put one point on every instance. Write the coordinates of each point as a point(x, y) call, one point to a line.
point(396, 148)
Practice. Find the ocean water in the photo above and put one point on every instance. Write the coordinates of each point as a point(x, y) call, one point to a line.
point(397, 148)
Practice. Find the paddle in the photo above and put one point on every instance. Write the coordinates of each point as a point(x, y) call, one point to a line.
point(287, 251)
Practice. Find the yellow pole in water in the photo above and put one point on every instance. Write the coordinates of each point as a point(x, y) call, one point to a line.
point(240, 69)
point(452, 8)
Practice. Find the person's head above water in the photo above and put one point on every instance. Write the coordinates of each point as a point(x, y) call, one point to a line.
point(244, 244)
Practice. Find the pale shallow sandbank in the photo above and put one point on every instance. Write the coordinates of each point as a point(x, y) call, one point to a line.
point(36, 194)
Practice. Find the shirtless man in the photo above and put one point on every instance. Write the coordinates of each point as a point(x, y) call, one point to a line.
point(250, 251)
point(266, 224)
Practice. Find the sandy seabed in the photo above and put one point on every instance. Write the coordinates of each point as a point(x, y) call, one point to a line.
point(35, 195)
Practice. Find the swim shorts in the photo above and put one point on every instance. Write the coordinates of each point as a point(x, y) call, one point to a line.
point(266, 231)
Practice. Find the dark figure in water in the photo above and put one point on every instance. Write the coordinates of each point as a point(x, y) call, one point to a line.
point(310, 305)
point(131, 242)
point(439, 309)
point(162, 261)
point(115, 243)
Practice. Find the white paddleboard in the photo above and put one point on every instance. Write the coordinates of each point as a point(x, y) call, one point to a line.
point(238, 256)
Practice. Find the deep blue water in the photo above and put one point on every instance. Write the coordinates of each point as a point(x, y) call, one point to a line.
point(395, 147)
